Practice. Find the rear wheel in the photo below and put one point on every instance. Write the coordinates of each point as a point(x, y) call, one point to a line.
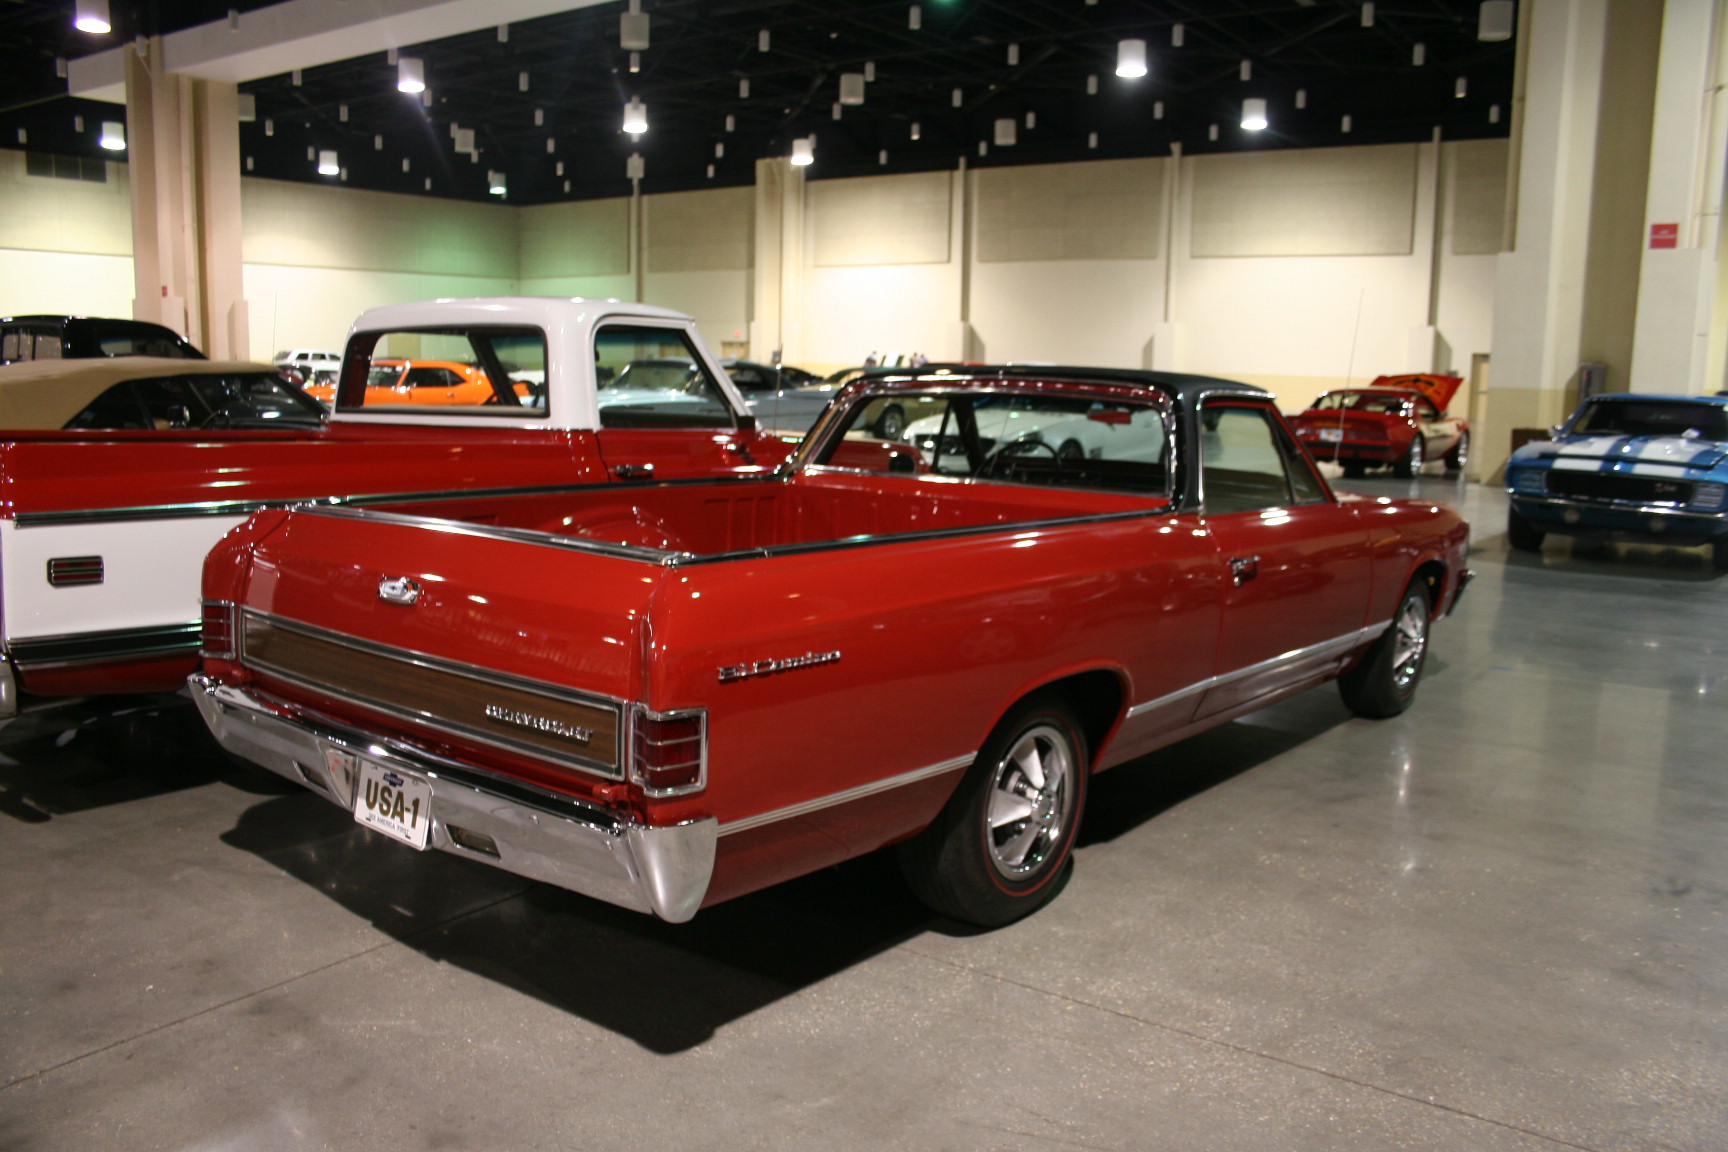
point(1521, 534)
point(1383, 682)
point(1459, 456)
point(1412, 460)
point(891, 423)
point(1001, 847)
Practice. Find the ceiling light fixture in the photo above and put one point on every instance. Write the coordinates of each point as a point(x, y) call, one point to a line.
point(1131, 58)
point(1347, 123)
point(870, 71)
point(1494, 20)
point(327, 164)
point(521, 81)
point(1301, 97)
point(852, 88)
point(1006, 133)
point(635, 116)
point(1092, 84)
point(1178, 34)
point(1368, 14)
point(113, 136)
point(495, 183)
point(1013, 55)
point(1461, 89)
point(410, 74)
point(917, 130)
point(92, 16)
point(915, 17)
point(731, 122)
point(246, 107)
point(635, 61)
point(633, 166)
point(744, 88)
point(633, 28)
point(803, 151)
point(1254, 114)
point(1418, 54)
point(1246, 71)
point(1091, 139)
point(957, 98)
point(763, 40)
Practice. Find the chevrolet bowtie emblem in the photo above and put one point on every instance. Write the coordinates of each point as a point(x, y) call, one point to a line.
point(398, 590)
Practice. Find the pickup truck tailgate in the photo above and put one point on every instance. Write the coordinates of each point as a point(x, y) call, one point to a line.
point(451, 633)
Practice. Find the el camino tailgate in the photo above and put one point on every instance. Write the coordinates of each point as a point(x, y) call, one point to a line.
point(461, 634)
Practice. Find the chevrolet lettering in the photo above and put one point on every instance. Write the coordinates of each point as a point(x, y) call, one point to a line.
point(539, 723)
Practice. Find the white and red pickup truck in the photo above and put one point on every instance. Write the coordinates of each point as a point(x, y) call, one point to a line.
point(102, 534)
point(670, 695)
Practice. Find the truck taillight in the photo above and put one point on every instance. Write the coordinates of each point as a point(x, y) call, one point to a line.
point(669, 751)
point(218, 635)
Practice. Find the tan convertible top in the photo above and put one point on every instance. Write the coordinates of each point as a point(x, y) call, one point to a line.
point(47, 393)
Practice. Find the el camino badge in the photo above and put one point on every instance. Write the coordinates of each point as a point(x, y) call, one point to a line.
point(398, 590)
point(730, 672)
point(535, 723)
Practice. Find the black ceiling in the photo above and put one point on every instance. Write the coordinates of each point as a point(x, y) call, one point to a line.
point(578, 79)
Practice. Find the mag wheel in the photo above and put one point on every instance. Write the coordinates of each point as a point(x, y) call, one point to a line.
point(1459, 456)
point(891, 423)
point(1384, 681)
point(1000, 848)
point(1412, 461)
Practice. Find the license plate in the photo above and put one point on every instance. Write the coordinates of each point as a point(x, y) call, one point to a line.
point(1333, 434)
point(393, 803)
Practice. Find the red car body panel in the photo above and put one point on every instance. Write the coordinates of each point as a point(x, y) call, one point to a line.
point(907, 649)
point(1377, 425)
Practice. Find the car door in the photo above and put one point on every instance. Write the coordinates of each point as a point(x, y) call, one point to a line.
point(691, 429)
point(1439, 431)
point(1296, 562)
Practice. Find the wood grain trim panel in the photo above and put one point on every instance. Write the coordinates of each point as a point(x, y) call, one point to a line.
point(542, 723)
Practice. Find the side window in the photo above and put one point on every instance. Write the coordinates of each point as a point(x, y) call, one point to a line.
point(653, 378)
point(1247, 463)
point(48, 346)
point(116, 408)
point(477, 370)
point(169, 402)
point(11, 343)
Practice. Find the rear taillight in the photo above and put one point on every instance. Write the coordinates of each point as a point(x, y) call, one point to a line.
point(669, 751)
point(218, 637)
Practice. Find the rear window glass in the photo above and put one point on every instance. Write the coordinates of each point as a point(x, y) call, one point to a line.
point(653, 378)
point(1012, 437)
point(475, 370)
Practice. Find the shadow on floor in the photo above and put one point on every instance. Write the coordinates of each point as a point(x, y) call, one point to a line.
point(668, 987)
point(86, 754)
point(1615, 558)
point(1134, 793)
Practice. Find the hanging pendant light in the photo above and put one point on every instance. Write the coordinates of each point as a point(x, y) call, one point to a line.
point(803, 151)
point(113, 136)
point(92, 16)
point(1494, 20)
point(410, 74)
point(327, 163)
point(1254, 114)
point(633, 28)
point(495, 183)
point(1131, 58)
point(635, 116)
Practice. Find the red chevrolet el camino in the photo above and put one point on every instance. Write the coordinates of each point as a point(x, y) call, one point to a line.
point(1398, 422)
point(669, 695)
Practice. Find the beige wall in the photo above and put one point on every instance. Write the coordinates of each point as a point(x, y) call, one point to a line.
point(1095, 263)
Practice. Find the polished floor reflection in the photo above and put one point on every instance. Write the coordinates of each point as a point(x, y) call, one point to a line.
point(1497, 922)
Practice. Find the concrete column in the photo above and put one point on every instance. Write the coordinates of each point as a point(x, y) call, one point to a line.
point(777, 312)
point(1683, 206)
point(183, 151)
point(1566, 289)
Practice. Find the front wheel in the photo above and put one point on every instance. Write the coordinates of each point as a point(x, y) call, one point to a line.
point(1383, 682)
point(891, 423)
point(1521, 534)
point(1000, 848)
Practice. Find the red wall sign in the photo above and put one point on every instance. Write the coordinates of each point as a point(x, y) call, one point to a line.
point(1664, 235)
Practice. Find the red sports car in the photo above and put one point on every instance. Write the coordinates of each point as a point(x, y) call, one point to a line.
point(1400, 421)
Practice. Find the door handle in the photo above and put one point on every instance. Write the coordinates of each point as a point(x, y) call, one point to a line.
point(634, 471)
point(1244, 569)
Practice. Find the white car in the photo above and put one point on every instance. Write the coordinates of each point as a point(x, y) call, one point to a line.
point(307, 361)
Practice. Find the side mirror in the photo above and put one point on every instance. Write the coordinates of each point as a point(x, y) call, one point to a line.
point(1555, 431)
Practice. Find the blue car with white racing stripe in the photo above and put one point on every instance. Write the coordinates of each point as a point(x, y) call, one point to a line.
point(1627, 466)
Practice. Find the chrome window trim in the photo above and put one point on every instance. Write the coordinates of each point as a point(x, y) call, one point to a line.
point(616, 771)
point(807, 807)
point(1313, 651)
point(1264, 404)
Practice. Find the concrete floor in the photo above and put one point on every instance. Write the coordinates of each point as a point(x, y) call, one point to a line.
point(1498, 922)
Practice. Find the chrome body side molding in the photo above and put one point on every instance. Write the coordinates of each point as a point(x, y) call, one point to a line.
point(1335, 647)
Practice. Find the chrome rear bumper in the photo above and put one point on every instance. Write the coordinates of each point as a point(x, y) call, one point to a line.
point(537, 834)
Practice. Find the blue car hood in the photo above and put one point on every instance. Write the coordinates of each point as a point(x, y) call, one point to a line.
point(1651, 455)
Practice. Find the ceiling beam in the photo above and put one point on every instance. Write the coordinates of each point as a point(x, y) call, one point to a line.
point(304, 34)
